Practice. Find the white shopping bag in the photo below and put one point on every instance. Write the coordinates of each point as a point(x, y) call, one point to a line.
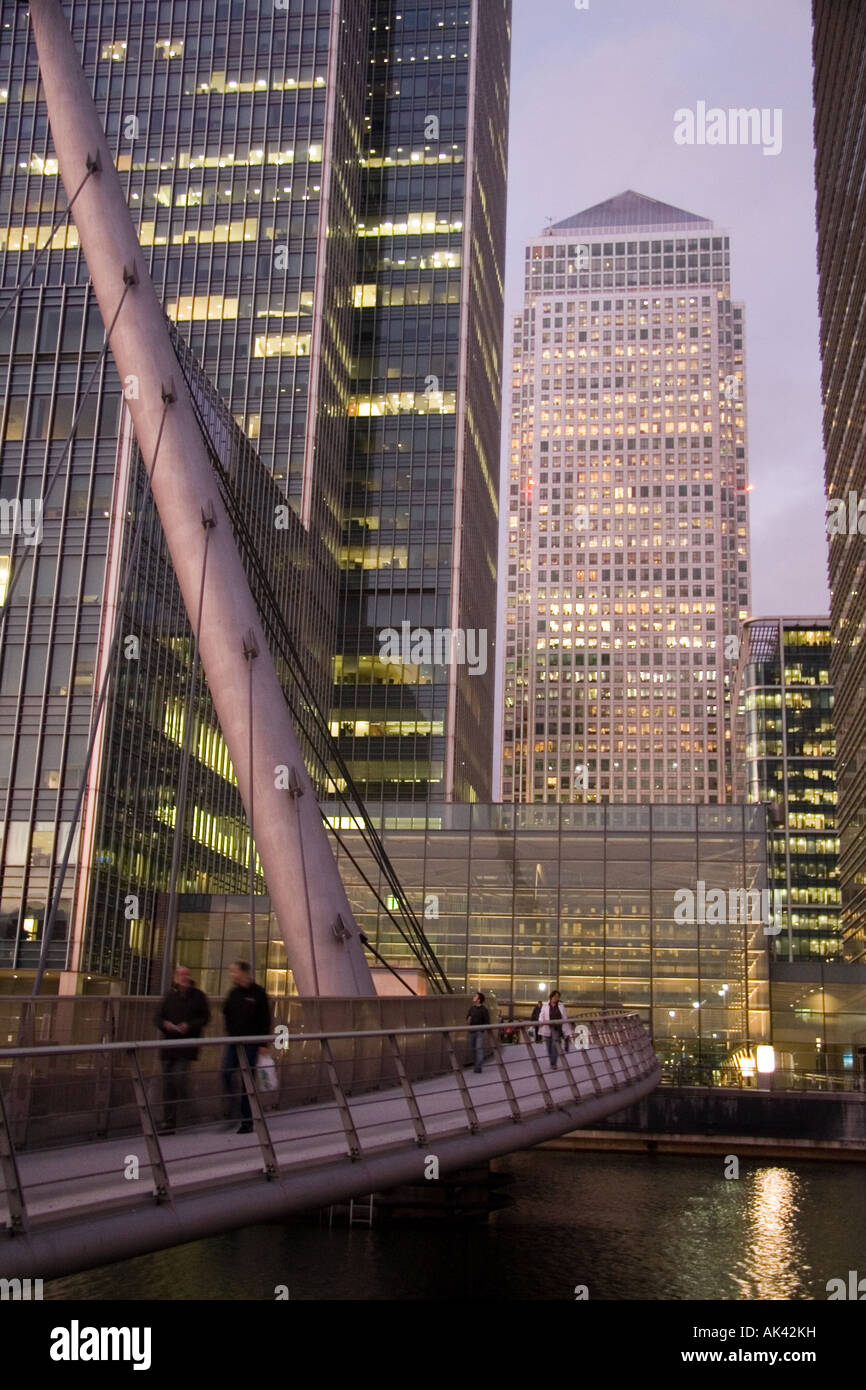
point(266, 1072)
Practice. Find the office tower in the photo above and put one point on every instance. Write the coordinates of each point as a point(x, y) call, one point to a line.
point(839, 41)
point(236, 129)
point(413, 705)
point(102, 553)
point(626, 549)
point(783, 682)
point(239, 129)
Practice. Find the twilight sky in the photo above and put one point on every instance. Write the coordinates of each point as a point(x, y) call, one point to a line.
point(592, 103)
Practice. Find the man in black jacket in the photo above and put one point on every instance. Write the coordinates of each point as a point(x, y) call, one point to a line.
point(247, 1012)
point(533, 1018)
point(183, 1013)
point(478, 1015)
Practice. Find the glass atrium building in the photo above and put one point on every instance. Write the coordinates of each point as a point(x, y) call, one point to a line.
point(519, 900)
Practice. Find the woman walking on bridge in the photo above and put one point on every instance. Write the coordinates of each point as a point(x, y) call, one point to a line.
point(552, 1011)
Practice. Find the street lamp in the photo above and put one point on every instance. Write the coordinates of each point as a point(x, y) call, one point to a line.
point(765, 1060)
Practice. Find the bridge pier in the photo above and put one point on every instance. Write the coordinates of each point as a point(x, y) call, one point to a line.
point(468, 1194)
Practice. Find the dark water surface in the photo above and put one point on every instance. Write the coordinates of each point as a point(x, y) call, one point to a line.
point(627, 1227)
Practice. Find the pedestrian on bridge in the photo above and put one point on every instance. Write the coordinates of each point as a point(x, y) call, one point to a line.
point(247, 1012)
point(477, 1017)
point(183, 1013)
point(551, 1011)
point(533, 1018)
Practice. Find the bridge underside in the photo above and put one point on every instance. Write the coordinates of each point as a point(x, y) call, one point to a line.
point(84, 1210)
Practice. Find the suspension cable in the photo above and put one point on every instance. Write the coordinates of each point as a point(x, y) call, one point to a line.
point(356, 809)
point(93, 167)
point(376, 894)
point(284, 644)
point(251, 651)
point(373, 952)
point(371, 839)
point(208, 521)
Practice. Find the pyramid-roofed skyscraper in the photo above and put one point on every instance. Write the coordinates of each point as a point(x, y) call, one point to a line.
point(625, 556)
point(632, 210)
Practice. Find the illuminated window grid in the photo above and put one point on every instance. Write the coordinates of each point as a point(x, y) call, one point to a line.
point(548, 401)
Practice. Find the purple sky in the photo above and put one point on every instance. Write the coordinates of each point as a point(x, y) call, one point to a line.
point(592, 102)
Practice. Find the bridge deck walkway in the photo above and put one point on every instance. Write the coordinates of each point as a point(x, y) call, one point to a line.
point(70, 1180)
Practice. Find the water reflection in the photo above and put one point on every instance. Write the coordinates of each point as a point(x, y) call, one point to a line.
point(773, 1265)
point(628, 1227)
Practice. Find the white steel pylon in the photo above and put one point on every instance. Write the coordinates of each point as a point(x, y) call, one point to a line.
point(323, 947)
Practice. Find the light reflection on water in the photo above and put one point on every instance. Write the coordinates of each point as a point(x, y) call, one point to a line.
point(627, 1226)
point(774, 1264)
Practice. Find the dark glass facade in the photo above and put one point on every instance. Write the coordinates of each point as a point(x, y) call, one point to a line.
point(839, 41)
point(56, 652)
point(137, 801)
point(422, 484)
point(263, 159)
point(237, 130)
point(784, 684)
point(49, 346)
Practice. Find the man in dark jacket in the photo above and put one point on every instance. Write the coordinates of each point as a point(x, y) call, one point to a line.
point(533, 1018)
point(247, 1013)
point(183, 1013)
point(477, 1016)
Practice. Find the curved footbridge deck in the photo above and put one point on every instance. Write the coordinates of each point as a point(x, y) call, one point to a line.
point(366, 1111)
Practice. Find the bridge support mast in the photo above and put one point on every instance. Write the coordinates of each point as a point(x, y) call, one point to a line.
point(322, 943)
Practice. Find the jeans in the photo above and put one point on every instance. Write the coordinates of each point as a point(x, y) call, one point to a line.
point(230, 1067)
point(552, 1048)
point(478, 1049)
point(175, 1087)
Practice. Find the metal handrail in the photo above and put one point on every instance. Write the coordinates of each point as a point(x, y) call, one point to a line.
point(266, 1039)
point(700, 1076)
point(352, 1121)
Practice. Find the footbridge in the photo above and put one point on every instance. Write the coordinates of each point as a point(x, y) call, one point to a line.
point(88, 1178)
point(368, 1091)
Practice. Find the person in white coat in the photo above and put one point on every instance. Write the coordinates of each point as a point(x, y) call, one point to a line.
point(554, 1009)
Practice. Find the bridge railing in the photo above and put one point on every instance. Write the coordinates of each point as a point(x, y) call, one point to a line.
point(26, 1020)
point(76, 1092)
point(728, 1076)
point(62, 1092)
point(65, 1081)
point(57, 1101)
